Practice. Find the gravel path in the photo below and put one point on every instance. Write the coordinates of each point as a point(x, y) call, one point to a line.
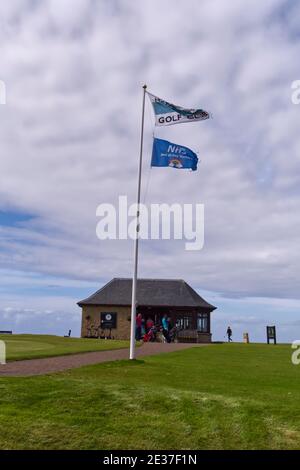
point(60, 363)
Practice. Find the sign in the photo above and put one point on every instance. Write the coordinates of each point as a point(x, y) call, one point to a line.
point(108, 320)
point(271, 334)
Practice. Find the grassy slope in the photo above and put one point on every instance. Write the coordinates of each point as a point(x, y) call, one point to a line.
point(218, 397)
point(36, 346)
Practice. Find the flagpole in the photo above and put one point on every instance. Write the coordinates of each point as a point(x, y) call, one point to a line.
point(136, 240)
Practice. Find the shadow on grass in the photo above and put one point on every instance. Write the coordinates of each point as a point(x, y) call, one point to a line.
point(123, 363)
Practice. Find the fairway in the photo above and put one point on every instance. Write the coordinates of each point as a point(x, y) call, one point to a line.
point(20, 347)
point(234, 396)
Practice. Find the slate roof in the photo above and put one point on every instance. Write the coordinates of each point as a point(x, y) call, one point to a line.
point(150, 292)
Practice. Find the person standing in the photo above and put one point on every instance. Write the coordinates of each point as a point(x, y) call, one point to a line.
point(165, 325)
point(138, 327)
point(149, 324)
point(229, 334)
point(143, 328)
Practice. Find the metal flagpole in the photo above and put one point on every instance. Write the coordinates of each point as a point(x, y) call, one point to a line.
point(136, 240)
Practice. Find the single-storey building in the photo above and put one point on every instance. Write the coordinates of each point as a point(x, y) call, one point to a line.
point(106, 313)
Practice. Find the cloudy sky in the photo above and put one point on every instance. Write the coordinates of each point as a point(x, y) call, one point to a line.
point(69, 140)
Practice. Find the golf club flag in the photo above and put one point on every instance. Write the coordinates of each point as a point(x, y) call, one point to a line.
point(165, 153)
point(167, 114)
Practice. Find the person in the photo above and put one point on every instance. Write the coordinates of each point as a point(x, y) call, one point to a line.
point(229, 334)
point(173, 333)
point(164, 322)
point(138, 327)
point(165, 325)
point(143, 328)
point(149, 324)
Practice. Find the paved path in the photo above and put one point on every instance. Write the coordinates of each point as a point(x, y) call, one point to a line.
point(60, 363)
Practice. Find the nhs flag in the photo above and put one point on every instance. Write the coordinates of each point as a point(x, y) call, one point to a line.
point(167, 114)
point(165, 153)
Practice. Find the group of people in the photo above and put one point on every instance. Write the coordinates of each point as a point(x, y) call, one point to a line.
point(147, 330)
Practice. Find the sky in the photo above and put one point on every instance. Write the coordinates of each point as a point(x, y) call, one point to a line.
point(69, 141)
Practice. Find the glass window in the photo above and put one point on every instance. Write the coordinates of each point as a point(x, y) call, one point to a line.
point(202, 322)
point(184, 322)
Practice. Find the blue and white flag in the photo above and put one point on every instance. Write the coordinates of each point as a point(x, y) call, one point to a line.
point(167, 114)
point(165, 153)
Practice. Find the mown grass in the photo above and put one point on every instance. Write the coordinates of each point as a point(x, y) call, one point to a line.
point(217, 397)
point(20, 347)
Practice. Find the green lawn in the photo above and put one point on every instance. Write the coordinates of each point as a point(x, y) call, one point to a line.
point(232, 396)
point(35, 346)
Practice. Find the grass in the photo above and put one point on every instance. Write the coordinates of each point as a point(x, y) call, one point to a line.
point(20, 347)
point(232, 396)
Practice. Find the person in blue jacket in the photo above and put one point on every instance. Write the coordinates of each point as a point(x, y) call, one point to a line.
point(165, 325)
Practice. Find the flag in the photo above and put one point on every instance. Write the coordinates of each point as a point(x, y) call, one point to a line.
point(166, 153)
point(167, 114)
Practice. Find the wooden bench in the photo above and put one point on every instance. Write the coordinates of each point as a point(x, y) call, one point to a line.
point(187, 336)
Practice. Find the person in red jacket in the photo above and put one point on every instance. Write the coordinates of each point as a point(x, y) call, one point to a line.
point(138, 327)
point(149, 324)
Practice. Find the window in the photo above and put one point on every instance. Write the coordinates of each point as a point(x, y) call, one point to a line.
point(184, 322)
point(202, 322)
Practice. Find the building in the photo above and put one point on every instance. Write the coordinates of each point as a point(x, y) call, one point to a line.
point(106, 313)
